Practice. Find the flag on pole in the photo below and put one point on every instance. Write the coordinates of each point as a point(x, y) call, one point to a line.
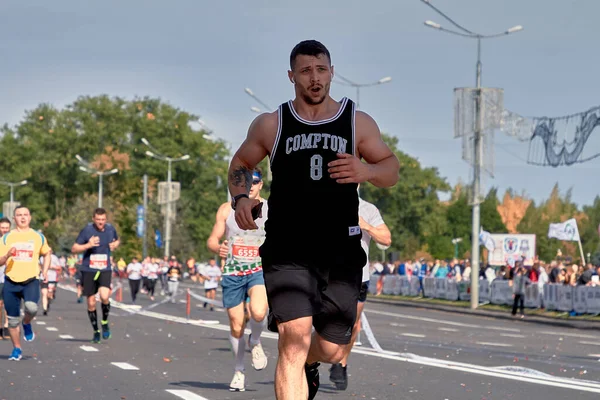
point(564, 231)
point(485, 239)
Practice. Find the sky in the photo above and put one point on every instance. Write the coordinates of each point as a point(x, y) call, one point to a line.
point(200, 55)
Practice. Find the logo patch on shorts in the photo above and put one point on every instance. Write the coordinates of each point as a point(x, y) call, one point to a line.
point(354, 230)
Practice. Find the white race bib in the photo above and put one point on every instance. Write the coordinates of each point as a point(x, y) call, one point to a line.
point(24, 251)
point(98, 261)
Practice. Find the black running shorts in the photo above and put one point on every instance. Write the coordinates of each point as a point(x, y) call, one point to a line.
point(327, 291)
point(92, 280)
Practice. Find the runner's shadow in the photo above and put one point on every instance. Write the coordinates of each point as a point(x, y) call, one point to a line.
point(206, 385)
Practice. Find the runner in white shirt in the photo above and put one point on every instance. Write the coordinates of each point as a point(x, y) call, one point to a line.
point(211, 275)
point(372, 227)
point(49, 287)
point(4, 229)
point(152, 269)
point(134, 273)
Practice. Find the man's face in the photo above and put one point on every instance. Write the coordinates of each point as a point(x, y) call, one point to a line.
point(4, 228)
point(212, 262)
point(22, 217)
point(99, 221)
point(257, 185)
point(312, 77)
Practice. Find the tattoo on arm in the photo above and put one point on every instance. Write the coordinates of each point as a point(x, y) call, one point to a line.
point(241, 177)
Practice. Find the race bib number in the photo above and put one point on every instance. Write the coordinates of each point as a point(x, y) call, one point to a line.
point(24, 252)
point(245, 253)
point(98, 261)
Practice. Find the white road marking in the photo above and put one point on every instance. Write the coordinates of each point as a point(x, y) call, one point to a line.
point(88, 348)
point(514, 335)
point(413, 335)
point(441, 321)
point(186, 395)
point(65, 337)
point(593, 355)
point(554, 381)
point(51, 329)
point(448, 329)
point(126, 366)
point(494, 344)
point(40, 323)
point(590, 343)
point(183, 301)
point(578, 335)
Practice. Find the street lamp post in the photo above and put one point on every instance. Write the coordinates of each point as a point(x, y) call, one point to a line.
point(358, 86)
point(156, 154)
point(87, 167)
point(12, 190)
point(477, 142)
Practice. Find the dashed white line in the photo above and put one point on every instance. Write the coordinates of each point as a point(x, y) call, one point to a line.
point(40, 323)
point(578, 335)
point(51, 329)
point(494, 344)
point(448, 329)
point(186, 395)
point(590, 343)
point(594, 355)
point(513, 335)
point(88, 348)
point(65, 336)
point(125, 366)
point(413, 335)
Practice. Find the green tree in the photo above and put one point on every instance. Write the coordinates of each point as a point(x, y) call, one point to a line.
point(491, 220)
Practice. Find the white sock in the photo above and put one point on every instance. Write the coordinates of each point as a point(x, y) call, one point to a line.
point(238, 346)
point(256, 328)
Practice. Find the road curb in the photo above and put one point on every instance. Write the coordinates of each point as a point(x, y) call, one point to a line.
point(491, 314)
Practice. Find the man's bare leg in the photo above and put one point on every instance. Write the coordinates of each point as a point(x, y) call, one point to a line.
point(294, 344)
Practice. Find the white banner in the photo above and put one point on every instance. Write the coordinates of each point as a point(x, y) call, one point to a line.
point(510, 248)
point(564, 231)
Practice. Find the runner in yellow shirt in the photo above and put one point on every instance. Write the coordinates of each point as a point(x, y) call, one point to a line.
point(21, 249)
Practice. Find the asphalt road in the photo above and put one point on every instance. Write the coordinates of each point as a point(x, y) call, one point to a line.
point(427, 355)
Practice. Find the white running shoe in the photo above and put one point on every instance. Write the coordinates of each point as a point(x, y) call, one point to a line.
point(259, 359)
point(237, 383)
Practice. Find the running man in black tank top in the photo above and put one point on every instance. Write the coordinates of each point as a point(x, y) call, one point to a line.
point(312, 257)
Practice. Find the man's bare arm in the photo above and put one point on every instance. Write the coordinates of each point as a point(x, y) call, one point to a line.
point(218, 230)
point(80, 248)
point(261, 134)
point(382, 162)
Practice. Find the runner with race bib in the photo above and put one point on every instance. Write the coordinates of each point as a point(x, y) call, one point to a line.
point(242, 277)
point(96, 241)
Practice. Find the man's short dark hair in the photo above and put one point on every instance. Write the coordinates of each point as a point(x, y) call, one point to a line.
point(19, 207)
point(308, 48)
point(99, 211)
point(4, 220)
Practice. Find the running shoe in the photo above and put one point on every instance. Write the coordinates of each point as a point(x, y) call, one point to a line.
point(96, 338)
point(106, 331)
point(15, 355)
point(237, 383)
point(312, 378)
point(28, 333)
point(339, 376)
point(259, 359)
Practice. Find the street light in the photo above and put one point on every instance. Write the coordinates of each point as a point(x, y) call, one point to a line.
point(85, 166)
point(154, 153)
point(477, 142)
point(358, 86)
point(12, 191)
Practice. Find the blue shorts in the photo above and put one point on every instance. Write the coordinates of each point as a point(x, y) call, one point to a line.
point(15, 292)
point(235, 288)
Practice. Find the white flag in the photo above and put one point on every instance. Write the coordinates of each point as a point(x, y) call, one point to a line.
point(564, 231)
point(485, 239)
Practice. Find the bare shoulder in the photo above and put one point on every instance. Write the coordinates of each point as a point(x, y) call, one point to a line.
point(365, 124)
point(265, 124)
point(224, 210)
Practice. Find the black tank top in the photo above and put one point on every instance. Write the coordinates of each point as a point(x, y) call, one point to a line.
point(308, 211)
